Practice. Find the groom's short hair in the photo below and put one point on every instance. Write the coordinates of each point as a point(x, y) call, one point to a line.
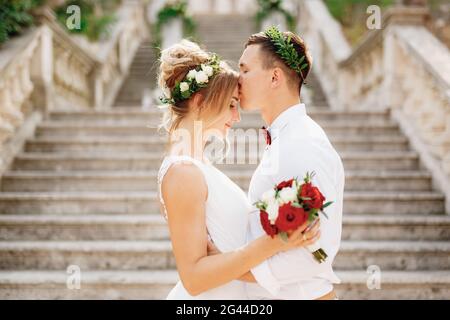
point(271, 59)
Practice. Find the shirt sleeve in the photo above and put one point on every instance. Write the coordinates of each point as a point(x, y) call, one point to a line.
point(299, 264)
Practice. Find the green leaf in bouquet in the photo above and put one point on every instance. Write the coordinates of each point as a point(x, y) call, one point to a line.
point(327, 204)
point(311, 218)
point(260, 205)
point(284, 236)
point(305, 198)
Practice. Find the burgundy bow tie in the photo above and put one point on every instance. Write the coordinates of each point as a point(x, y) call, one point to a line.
point(267, 136)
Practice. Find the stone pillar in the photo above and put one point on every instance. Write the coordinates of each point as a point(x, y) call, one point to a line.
point(398, 15)
point(42, 72)
point(153, 9)
point(172, 33)
point(275, 18)
point(223, 7)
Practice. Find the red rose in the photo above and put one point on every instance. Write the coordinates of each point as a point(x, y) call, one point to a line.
point(269, 228)
point(317, 198)
point(285, 184)
point(290, 218)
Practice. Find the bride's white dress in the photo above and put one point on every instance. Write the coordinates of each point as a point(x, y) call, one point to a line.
point(227, 209)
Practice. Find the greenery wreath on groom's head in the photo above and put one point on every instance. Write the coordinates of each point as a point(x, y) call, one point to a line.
point(286, 51)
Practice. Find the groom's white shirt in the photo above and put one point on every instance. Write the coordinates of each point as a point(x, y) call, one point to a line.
point(299, 145)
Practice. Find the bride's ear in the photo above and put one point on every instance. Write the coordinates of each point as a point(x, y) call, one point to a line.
point(197, 101)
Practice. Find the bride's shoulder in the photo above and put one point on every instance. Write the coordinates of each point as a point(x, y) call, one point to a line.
point(183, 176)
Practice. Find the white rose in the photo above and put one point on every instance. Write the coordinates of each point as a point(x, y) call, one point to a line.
point(184, 86)
point(208, 70)
point(287, 195)
point(191, 75)
point(201, 77)
point(268, 196)
point(272, 211)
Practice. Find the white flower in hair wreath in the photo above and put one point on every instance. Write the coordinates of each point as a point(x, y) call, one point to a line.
point(195, 80)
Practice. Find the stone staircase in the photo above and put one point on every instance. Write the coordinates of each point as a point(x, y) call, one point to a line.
point(141, 79)
point(83, 192)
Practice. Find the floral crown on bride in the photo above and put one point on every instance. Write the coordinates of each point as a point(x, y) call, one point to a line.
point(194, 80)
point(286, 51)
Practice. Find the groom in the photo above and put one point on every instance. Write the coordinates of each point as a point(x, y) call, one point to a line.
point(273, 68)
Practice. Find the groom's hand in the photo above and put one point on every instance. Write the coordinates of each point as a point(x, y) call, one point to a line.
point(212, 249)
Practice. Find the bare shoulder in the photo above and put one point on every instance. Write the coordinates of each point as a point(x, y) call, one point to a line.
point(184, 179)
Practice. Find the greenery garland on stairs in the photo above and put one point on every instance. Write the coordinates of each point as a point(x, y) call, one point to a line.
point(15, 16)
point(266, 7)
point(96, 18)
point(173, 10)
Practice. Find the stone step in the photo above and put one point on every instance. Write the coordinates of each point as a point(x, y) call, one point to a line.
point(98, 285)
point(78, 181)
point(73, 161)
point(37, 181)
point(154, 227)
point(54, 129)
point(394, 255)
point(138, 255)
point(402, 228)
point(369, 202)
point(379, 160)
point(78, 203)
point(139, 144)
point(411, 285)
point(330, 126)
point(364, 180)
point(85, 227)
point(69, 129)
point(151, 161)
point(156, 284)
point(98, 145)
point(393, 203)
point(135, 113)
point(350, 128)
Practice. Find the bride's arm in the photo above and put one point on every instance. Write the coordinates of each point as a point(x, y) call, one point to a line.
point(185, 192)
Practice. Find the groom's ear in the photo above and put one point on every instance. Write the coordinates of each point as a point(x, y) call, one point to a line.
point(277, 77)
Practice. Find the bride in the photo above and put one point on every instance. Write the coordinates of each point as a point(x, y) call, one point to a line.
point(199, 201)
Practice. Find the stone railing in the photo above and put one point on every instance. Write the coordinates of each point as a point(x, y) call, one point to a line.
point(327, 43)
point(46, 69)
point(401, 67)
point(16, 84)
point(85, 79)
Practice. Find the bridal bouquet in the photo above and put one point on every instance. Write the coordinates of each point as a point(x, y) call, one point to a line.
point(288, 206)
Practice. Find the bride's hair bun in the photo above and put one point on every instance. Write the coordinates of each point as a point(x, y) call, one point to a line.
point(177, 60)
point(175, 63)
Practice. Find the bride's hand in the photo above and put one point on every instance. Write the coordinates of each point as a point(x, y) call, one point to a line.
point(301, 237)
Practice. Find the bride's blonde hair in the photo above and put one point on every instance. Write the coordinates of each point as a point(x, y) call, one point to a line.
point(175, 63)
